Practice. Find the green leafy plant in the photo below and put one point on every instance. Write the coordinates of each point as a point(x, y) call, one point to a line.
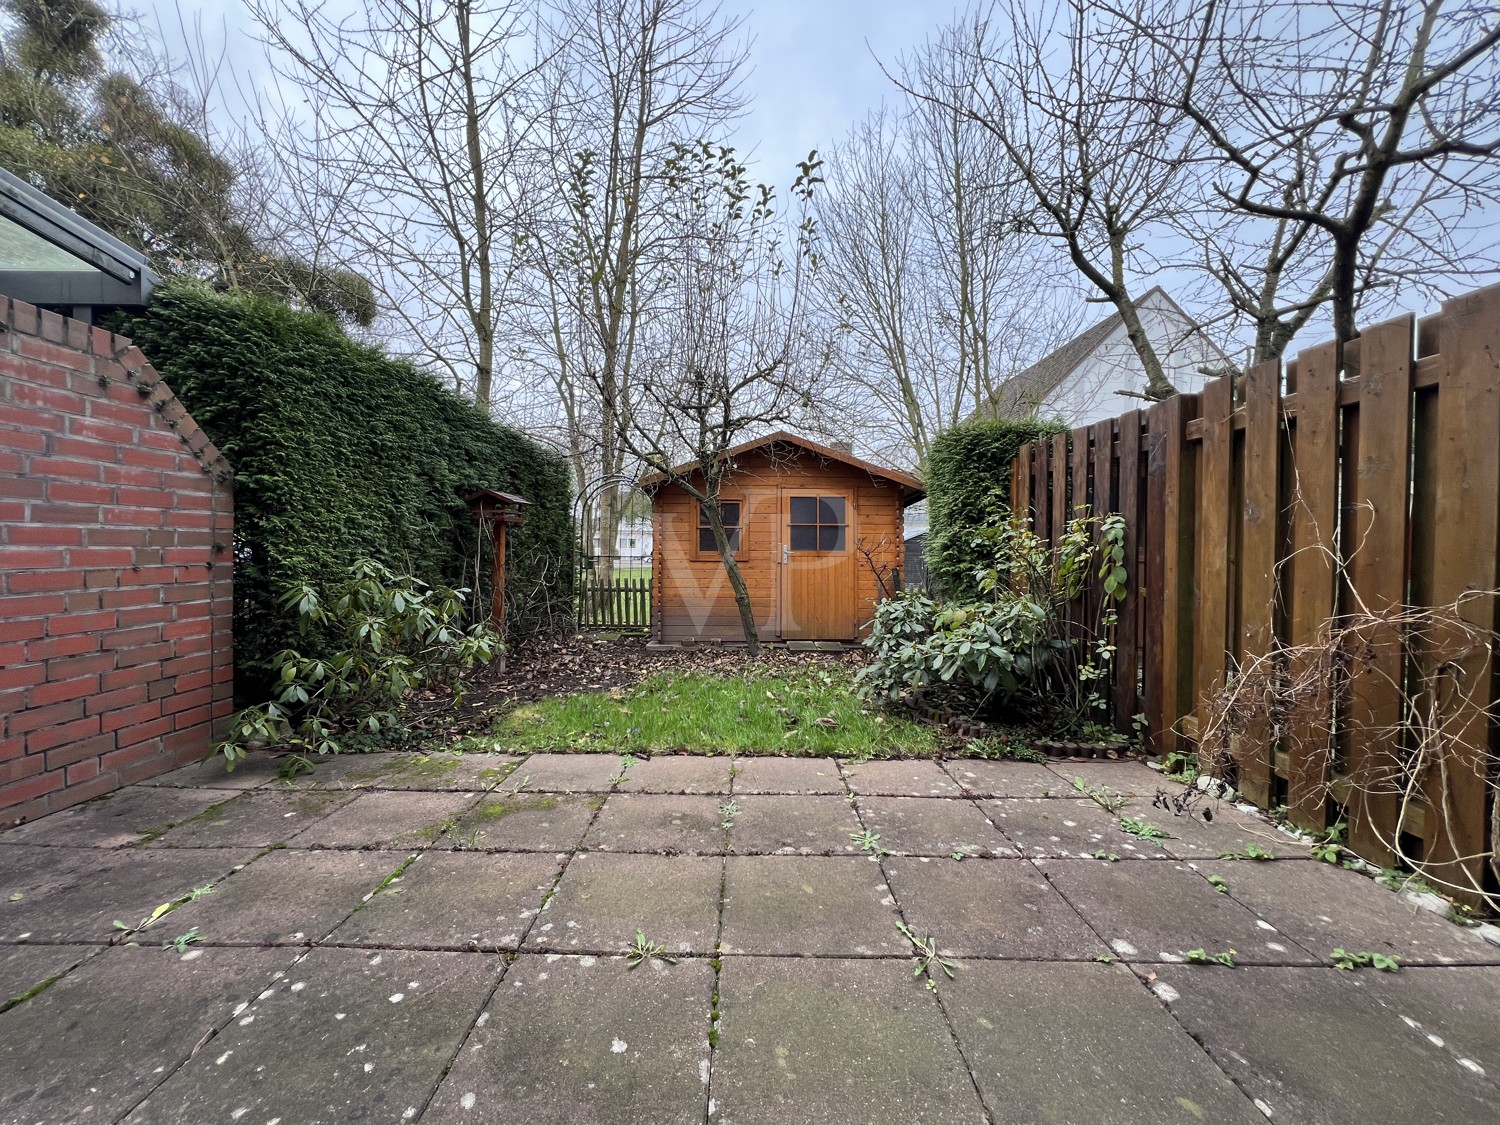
point(166, 908)
point(644, 949)
point(1250, 851)
point(1180, 766)
point(1330, 848)
point(1218, 884)
point(1203, 957)
point(927, 958)
point(1344, 959)
point(397, 635)
point(868, 841)
point(1102, 797)
point(181, 942)
point(1144, 829)
point(625, 763)
point(1110, 857)
point(728, 812)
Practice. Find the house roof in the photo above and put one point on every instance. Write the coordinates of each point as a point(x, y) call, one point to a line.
point(1024, 392)
point(51, 256)
point(912, 489)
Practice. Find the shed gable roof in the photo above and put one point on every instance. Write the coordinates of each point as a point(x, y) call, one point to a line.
point(912, 489)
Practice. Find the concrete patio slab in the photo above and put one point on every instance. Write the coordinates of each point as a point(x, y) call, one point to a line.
point(455, 900)
point(990, 908)
point(436, 771)
point(834, 1042)
point(909, 778)
point(344, 1035)
point(256, 769)
point(1325, 907)
point(756, 774)
point(769, 824)
point(1073, 827)
point(1083, 1042)
point(1308, 1046)
point(288, 897)
point(127, 816)
point(809, 905)
point(980, 778)
point(602, 900)
point(1457, 1005)
point(564, 773)
point(929, 826)
point(76, 894)
point(24, 967)
point(1125, 778)
point(678, 773)
point(335, 771)
point(1159, 911)
point(394, 821)
point(586, 1041)
point(543, 822)
point(100, 1039)
point(256, 819)
point(653, 822)
point(1206, 829)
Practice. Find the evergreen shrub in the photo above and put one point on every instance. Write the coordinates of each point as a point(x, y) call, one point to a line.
point(340, 454)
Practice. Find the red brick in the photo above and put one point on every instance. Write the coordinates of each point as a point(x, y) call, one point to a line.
point(106, 701)
point(135, 478)
point(82, 771)
point(14, 768)
point(21, 676)
point(194, 680)
point(129, 596)
point(43, 581)
point(150, 459)
point(65, 467)
point(144, 615)
point(70, 645)
point(200, 642)
point(55, 691)
point(133, 414)
point(68, 623)
point(191, 627)
point(38, 717)
point(101, 557)
point(99, 453)
point(186, 700)
point(44, 536)
point(183, 665)
point(71, 667)
point(102, 431)
point(133, 537)
point(31, 788)
point(12, 464)
point(22, 488)
point(64, 492)
point(64, 513)
point(28, 417)
point(196, 717)
point(133, 674)
point(32, 605)
point(148, 576)
point(23, 630)
point(127, 756)
point(83, 601)
point(134, 517)
point(49, 398)
point(24, 442)
point(31, 558)
point(130, 732)
point(125, 639)
point(56, 354)
point(84, 791)
point(78, 751)
point(52, 736)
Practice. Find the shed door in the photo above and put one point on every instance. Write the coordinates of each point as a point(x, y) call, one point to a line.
point(817, 565)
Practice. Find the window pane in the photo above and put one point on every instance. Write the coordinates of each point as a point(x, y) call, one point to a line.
point(831, 538)
point(831, 509)
point(729, 511)
point(706, 540)
point(804, 537)
point(804, 509)
point(734, 541)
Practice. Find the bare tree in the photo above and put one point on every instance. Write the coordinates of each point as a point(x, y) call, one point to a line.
point(416, 116)
point(926, 285)
point(1074, 117)
point(728, 356)
point(1366, 135)
point(629, 79)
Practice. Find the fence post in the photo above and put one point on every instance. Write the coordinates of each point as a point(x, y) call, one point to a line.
point(1211, 595)
point(1257, 563)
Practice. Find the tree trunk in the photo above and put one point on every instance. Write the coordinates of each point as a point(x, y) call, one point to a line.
point(736, 579)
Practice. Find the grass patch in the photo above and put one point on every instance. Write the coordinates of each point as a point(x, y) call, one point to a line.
point(811, 714)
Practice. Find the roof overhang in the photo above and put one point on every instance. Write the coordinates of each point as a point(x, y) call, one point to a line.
point(51, 256)
point(912, 489)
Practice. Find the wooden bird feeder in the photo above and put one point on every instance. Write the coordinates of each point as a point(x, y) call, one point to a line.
point(498, 511)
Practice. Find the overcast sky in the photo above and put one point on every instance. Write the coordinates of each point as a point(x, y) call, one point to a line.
point(813, 63)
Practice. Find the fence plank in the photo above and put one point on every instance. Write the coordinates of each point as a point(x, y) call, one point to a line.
point(1466, 511)
point(1211, 596)
point(1059, 521)
point(1125, 690)
point(1257, 562)
point(1022, 505)
point(1170, 570)
point(1376, 571)
point(1313, 581)
point(1038, 484)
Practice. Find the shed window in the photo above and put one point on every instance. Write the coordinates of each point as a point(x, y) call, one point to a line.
point(818, 523)
point(729, 512)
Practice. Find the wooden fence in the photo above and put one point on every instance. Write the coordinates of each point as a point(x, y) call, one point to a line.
point(623, 603)
point(1269, 512)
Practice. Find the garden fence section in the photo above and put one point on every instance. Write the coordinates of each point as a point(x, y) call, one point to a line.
point(614, 593)
point(1296, 536)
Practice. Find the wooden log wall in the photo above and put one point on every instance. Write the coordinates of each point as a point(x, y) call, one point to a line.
point(1271, 508)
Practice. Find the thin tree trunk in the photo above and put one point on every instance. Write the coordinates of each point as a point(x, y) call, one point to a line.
point(736, 579)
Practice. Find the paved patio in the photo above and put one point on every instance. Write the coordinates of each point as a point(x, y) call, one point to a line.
point(398, 939)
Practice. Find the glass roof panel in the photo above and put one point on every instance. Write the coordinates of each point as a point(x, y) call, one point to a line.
point(21, 249)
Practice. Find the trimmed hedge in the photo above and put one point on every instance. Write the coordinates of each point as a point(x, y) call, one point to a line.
point(342, 453)
point(965, 467)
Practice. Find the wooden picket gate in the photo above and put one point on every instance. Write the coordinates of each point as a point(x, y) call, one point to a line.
point(1262, 510)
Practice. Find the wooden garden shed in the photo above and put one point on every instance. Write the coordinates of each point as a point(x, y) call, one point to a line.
point(817, 533)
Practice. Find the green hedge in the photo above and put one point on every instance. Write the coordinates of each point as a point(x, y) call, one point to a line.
point(340, 453)
point(965, 467)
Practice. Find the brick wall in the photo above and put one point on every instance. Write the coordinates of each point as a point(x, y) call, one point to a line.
point(115, 567)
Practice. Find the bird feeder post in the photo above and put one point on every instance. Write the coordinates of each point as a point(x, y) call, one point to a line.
point(498, 511)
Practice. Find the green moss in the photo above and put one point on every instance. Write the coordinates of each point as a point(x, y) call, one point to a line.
point(497, 808)
point(35, 990)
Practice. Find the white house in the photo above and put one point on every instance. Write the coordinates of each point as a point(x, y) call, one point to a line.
point(1080, 381)
point(632, 538)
